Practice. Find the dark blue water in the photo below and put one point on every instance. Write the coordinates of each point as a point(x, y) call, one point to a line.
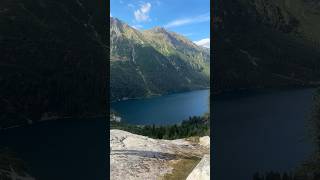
point(260, 131)
point(163, 110)
point(62, 149)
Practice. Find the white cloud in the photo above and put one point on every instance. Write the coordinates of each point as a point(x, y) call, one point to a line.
point(137, 26)
point(191, 20)
point(203, 42)
point(142, 14)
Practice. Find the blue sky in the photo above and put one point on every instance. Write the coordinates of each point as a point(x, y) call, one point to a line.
point(190, 18)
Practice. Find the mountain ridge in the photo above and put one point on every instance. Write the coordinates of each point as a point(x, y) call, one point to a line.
point(155, 61)
point(265, 44)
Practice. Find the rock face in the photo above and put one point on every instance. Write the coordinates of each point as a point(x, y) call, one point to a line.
point(13, 175)
point(202, 170)
point(205, 141)
point(12, 167)
point(139, 157)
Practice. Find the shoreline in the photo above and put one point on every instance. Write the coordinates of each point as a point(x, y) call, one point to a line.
point(229, 90)
point(284, 87)
point(158, 95)
point(52, 118)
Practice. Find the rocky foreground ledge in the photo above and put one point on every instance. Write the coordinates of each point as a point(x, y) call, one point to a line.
point(139, 157)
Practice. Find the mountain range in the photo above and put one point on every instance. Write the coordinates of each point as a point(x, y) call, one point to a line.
point(266, 43)
point(53, 60)
point(54, 55)
point(154, 62)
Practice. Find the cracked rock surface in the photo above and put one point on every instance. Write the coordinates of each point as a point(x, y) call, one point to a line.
point(139, 157)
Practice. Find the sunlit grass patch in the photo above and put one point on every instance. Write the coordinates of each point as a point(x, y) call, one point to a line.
point(182, 168)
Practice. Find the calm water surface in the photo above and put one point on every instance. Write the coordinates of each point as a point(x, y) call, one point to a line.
point(253, 131)
point(62, 149)
point(168, 109)
point(260, 131)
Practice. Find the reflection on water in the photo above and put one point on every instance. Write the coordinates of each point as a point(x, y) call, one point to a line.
point(62, 149)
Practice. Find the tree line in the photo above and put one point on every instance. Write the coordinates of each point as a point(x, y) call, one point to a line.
point(286, 176)
point(193, 126)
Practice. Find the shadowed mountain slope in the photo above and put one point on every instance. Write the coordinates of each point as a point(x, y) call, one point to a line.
point(266, 43)
point(53, 59)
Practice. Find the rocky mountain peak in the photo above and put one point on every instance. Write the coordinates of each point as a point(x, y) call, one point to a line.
point(159, 29)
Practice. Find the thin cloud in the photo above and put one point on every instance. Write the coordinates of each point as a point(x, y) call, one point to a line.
point(188, 34)
point(191, 20)
point(203, 42)
point(131, 6)
point(137, 26)
point(142, 14)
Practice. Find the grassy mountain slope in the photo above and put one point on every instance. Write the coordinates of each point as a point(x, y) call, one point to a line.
point(266, 43)
point(153, 62)
point(52, 59)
